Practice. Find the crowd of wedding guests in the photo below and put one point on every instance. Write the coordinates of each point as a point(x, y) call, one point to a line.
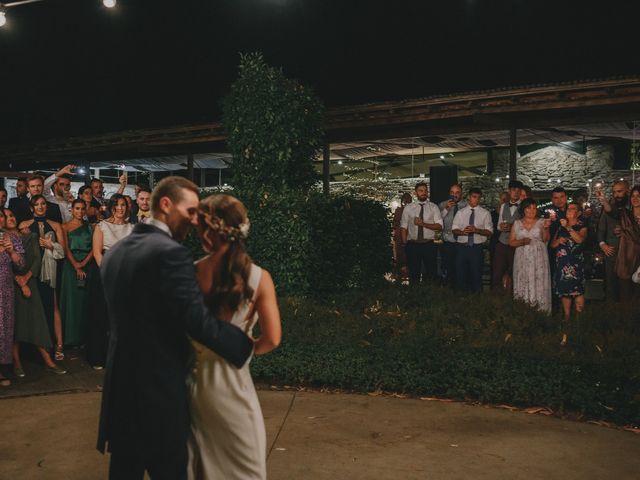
point(51, 246)
point(537, 253)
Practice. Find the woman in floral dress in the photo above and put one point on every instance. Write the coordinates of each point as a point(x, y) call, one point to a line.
point(569, 258)
point(11, 263)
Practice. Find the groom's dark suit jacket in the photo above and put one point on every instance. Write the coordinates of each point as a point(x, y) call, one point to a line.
point(154, 302)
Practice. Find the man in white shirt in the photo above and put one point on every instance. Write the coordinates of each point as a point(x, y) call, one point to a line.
point(57, 189)
point(473, 226)
point(449, 247)
point(420, 222)
point(502, 268)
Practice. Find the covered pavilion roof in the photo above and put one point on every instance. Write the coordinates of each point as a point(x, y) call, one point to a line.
point(470, 121)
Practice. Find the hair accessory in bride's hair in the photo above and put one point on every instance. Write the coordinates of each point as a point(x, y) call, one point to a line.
point(229, 233)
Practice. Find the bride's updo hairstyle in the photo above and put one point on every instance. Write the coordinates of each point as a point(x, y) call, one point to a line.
point(224, 218)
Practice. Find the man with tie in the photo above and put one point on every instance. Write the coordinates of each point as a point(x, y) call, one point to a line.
point(143, 212)
point(473, 226)
point(449, 248)
point(501, 278)
point(420, 222)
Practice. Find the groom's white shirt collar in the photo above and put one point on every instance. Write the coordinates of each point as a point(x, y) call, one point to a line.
point(161, 225)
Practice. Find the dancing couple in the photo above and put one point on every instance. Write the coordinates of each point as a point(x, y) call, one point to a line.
point(178, 398)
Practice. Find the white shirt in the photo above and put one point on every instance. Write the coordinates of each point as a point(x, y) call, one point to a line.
point(430, 214)
point(159, 224)
point(65, 206)
point(636, 276)
point(482, 220)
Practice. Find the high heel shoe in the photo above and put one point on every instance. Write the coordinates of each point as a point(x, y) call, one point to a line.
point(59, 353)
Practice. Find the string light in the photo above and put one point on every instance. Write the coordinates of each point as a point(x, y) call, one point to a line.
point(5, 6)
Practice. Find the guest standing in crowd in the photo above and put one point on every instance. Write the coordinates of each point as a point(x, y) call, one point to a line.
point(502, 272)
point(609, 232)
point(11, 263)
point(525, 193)
point(30, 321)
point(400, 268)
point(567, 245)
point(20, 203)
point(93, 214)
point(628, 252)
point(57, 189)
point(78, 272)
point(472, 226)
point(143, 204)
point(51, 241)
point(3, 197)
point(105, 235)
point(420, 222)
point(449, 249)
point(531, 277)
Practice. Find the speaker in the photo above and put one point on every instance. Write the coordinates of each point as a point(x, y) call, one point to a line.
point(440, 181)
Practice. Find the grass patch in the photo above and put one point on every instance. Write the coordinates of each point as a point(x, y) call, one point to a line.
point(429, 341)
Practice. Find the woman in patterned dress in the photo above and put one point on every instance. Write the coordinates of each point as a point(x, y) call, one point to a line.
point(11, 262)
point(569, 259)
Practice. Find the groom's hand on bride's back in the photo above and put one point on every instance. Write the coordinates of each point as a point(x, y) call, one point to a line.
point(185, 303)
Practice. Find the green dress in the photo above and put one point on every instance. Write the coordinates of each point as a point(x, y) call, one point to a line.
point(31, 323)
point(74, 298)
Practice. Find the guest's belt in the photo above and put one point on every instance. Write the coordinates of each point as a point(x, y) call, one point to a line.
point(420, 241)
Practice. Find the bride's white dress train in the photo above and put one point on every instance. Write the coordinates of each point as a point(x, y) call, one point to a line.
point(228, 438)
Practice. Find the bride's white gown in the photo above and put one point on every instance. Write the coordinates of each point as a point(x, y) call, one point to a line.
point(228, 438)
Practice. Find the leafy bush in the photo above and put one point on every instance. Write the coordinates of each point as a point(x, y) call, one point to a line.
point(312, 243)
point(430, 341)
point(274, 128)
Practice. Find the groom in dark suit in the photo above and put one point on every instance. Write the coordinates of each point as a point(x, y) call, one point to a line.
point(154, 302)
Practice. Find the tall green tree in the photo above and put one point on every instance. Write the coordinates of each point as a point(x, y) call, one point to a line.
point(274, 128)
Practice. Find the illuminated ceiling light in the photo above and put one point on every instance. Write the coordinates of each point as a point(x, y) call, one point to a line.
point(339, 162)
point(109, 3)
point(497, 179)
point(441, 157)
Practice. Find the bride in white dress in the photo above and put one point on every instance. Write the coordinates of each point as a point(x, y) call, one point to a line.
point(531, 277)
point(228, 436)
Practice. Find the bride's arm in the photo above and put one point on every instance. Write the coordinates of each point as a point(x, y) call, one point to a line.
point(268, 316)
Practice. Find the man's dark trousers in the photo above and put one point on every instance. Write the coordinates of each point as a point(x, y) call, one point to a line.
point(469, 267)
point(421, 254)
point(449, 262)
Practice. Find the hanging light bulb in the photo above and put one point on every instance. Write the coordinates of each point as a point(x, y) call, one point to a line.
point(109, 3)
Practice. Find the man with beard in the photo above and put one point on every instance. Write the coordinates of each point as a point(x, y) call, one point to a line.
point(609, 233)
point(449, 248)
point(57, 189)
point(420, 222)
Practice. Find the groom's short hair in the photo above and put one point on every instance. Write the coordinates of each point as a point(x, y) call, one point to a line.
point(171, 187)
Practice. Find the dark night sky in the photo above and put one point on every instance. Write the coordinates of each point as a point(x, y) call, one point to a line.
point(71, 67)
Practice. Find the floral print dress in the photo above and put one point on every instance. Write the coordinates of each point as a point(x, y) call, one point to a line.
point(569, 271)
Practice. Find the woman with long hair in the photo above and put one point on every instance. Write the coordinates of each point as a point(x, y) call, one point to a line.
point(31, 323)
point(228, 434)
point(77, 273)
point(106, 234)
point(11, 262)
point(85, 194)
point(51, 242)
point(531, 277)
point(628, 258)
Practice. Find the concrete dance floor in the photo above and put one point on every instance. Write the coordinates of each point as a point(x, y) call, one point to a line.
point(340, 436)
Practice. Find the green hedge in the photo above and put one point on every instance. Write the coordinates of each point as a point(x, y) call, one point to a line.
point(429, 341)
point(316, 244)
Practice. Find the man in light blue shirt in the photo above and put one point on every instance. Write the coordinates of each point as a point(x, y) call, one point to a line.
point(449, 247)
point(473, 226)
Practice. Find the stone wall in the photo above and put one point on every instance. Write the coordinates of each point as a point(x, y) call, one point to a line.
point(542, 170)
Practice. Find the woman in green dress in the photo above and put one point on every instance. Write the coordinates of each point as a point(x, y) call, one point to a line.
point(31, 323)
point(79, 269)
